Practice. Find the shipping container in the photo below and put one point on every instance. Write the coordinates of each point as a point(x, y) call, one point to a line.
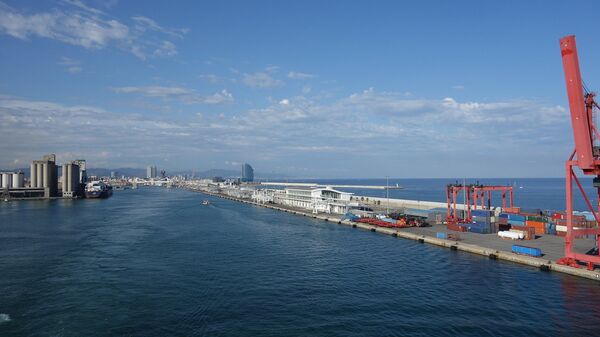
point(512, 209)
point(481, 212)
point(524, 250)
point(536, 218)
point(528, 231)
point(503, 227)
point(516, 217)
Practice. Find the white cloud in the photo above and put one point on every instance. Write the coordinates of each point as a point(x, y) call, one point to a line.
point(359, 129)
point(261, 80)
point(143, 24)
point(184, 95)
point(295, 75)
point(272, 69)
point(166, 49)
point(84, 26)
point(82, 6)
point(211, 78)
point(72, 66)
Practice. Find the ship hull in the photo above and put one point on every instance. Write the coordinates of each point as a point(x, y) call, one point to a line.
point(98, 194)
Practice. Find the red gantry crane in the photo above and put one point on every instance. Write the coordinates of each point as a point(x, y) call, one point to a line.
point(586, 155)
point(474, 196)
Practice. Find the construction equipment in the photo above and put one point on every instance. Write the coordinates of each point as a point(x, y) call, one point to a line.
point(474, 196)
point(586, 155)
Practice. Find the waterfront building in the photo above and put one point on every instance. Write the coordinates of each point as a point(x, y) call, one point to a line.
point(247, 173)
point(71, 185)
point(151, 172)
point(317, 199)
point(44, 175)
point(82, 170)
point(264, 196)
point(12, 179)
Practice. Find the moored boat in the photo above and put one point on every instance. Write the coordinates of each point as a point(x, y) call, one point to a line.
point(98, 189)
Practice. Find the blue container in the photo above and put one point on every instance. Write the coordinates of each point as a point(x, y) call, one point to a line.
point(481, 212)
point(524, 250)
point(504, 215)
point(517, 217)
point(516, 222)
point(551, 229)
point(480, 224)
point(441, 235)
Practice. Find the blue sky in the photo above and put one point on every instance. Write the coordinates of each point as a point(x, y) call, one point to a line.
point(306, 88)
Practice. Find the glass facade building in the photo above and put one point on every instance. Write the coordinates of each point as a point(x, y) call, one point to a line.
point(247, 173)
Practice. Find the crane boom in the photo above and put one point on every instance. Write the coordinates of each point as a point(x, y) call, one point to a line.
point(581, 105)
point(580, 115)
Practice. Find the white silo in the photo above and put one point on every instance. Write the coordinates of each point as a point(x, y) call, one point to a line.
point(64, 179)
point(5, 178)
point(33, 175)
point(18, 180)
point(39, 170)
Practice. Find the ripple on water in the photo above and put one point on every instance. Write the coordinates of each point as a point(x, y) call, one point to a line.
point(4, 318)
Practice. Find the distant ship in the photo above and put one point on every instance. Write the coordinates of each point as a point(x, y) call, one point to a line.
point(205, 202)
point(98, 189)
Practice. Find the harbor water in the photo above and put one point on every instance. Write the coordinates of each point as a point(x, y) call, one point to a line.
point(156, 262)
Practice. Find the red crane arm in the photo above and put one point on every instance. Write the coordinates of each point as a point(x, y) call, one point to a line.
point(580, 118)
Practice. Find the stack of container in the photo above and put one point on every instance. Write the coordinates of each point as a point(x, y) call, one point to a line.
point(481, 222)
point(528, 232)
point(537, 222)
point(550, 228)
point(516, 219)
point(580, 220)
point(503, 224)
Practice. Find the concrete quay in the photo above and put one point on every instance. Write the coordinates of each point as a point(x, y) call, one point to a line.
point(495, 248)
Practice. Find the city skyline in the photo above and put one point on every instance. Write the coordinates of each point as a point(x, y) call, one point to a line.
point(340, 89)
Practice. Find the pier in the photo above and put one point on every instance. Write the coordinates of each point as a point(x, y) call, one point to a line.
point(487, 245)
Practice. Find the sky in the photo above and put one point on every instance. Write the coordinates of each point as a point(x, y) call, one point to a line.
point(319, 89)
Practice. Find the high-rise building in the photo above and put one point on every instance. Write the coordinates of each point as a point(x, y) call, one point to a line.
point(82, 170)
point(247, 173)
point(151, 172)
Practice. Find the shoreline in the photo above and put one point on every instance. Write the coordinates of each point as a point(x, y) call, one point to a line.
point(493, 254)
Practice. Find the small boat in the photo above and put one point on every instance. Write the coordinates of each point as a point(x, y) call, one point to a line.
point(205, 202)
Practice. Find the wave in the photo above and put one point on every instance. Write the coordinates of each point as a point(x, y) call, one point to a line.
point(4, 318)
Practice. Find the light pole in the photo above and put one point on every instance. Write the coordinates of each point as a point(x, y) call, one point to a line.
point(387, 193)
